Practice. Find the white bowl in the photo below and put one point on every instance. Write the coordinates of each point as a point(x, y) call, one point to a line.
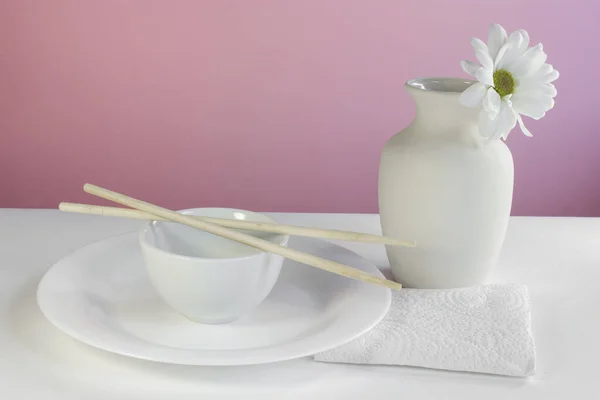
point(205, 277)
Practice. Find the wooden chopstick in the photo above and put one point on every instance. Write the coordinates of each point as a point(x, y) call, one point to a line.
point(264, 245)
point(240, 224)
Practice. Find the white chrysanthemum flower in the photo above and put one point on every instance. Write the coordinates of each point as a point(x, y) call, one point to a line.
point(514, 80)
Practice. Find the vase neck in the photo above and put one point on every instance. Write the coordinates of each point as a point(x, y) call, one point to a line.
point(439, 111)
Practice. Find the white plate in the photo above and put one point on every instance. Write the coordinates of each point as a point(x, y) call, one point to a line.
point(101, 296)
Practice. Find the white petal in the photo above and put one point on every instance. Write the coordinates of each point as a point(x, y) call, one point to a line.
point(545, 74)
point(536, 88)
point(525, 36)
point(533, 106)
point(491, 103)
point(538, 58)
point(529, 109)
point(506, 122)
point(519, 41)
point(469, 67)
point(479, 45)
point(529, 62)
point(473, 95)
point(484, 58)
point(522, 125)
point(499, 61)
point(544, 70)
point(524, 42)
point(549, 89)
point(496, 39)
point(551, 77)
point(485, 76)
point(487, 126)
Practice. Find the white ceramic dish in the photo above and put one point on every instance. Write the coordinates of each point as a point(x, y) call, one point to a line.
point(205, 277)
point(101, 295)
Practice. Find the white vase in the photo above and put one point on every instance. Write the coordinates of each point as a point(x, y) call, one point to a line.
point(443, 185)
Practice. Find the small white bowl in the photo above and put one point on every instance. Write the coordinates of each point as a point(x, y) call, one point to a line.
point(205, 277)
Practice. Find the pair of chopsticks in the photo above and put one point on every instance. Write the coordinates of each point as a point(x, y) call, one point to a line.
point(220, 227)
point(241, 224)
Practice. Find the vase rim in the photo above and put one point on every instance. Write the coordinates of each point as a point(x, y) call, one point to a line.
point(441, 85)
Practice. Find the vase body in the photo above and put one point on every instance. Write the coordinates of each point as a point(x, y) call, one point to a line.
point(446, 187)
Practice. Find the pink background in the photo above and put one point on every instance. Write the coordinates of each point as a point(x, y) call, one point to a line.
point(267, 105)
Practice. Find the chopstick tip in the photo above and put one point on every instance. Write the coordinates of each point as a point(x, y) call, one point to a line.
point(403, 243)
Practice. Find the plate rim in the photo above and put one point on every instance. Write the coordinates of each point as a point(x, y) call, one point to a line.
point(75, 334)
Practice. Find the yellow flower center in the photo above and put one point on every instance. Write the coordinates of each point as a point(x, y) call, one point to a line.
point(504, 83)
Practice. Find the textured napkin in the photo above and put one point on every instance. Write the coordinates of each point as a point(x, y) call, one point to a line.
point(478, 329)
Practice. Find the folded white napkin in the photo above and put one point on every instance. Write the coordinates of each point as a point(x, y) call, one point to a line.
point(478, 329)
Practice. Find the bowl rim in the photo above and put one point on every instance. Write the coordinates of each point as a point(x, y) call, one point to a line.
point(282, 239)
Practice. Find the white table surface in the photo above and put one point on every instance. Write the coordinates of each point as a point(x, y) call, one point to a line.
point(558, 258)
